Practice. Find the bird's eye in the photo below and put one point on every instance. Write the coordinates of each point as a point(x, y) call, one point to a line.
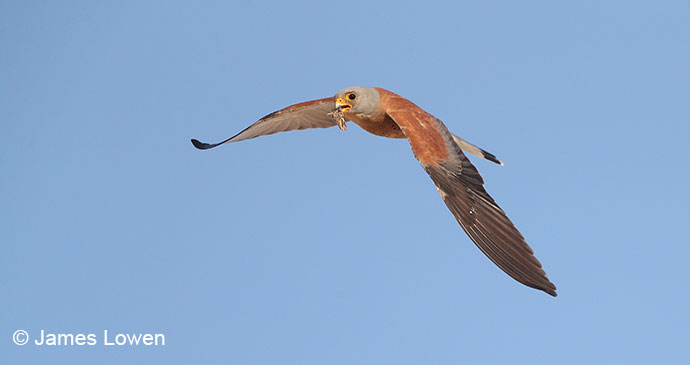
point(351, 96)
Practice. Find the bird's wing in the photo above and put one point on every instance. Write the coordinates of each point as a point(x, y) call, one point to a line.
point(310, 114)
point(462, 189)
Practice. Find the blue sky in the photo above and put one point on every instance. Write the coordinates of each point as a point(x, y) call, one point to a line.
point(330, 247)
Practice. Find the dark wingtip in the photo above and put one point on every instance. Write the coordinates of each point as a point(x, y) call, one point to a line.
point(200, 145)
point(549, 289)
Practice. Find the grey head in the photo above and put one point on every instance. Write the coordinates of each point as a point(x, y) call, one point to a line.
point(360, 100)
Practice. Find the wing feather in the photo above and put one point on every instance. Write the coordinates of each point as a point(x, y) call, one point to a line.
point(462, 189)
point(310, 114)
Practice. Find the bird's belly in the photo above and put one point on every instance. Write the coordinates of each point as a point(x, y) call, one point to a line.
point(384, 128)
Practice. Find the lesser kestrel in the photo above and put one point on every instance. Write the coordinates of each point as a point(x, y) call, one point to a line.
point(440, 153)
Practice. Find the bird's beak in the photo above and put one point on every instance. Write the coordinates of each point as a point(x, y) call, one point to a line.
point(338, 113)
point(342, 105)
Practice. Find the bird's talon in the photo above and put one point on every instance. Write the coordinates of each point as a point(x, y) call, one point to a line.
point(339, 117)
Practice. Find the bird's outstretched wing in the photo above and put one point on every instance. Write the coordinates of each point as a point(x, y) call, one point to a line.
point(462, 189)
point(310, 114)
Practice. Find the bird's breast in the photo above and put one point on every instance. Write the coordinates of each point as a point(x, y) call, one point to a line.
point(382, 126)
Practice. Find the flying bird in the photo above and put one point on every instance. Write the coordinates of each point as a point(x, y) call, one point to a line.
point(440, 153)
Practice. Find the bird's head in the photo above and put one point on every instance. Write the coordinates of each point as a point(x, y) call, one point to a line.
point(358, 101)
